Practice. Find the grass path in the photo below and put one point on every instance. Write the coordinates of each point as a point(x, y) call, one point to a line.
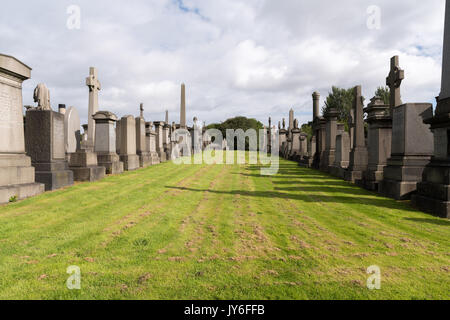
point(221, 232)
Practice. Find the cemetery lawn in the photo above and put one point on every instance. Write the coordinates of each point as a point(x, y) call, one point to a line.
point(221, 232)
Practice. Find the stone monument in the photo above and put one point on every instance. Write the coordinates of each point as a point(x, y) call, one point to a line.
point(359, 156)
point(141, 137)
point(45, 143)
point(105, 142)
point(128, 143)
point(151, 143)
point(327, 160)
point(16, 173)
point(411, 146)
point(433, 193)
point(380, 136)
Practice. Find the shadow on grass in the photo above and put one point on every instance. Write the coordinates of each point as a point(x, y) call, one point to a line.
point(439, 222)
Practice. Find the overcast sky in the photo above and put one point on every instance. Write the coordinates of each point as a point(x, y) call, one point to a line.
point(256, 58)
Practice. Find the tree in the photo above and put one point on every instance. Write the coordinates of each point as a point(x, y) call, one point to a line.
point(341, 100)
point(306, 128)
point(238, 123)
point(384, 93)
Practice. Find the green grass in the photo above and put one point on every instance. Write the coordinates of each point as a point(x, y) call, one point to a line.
point(221, 232)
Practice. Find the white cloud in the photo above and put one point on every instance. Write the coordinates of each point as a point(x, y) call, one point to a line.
point(255, 58)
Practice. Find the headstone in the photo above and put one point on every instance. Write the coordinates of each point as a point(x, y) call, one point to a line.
point(394, 80)
point(433, 192)
point(342, 155)
point(359, 156)
point(159, 126)
point(327, 160)
point(84, 162)
point(183, 107)
point(380, 137)
point(128, 143)
point(105, 142)
point(16, 173)
point(411, 144)
point(72, 127)
point(166, 140)
point(294, 152)
point(151, 143)
point(141, 145)
point(94, 86)
point(319, 128)
point(45, 144)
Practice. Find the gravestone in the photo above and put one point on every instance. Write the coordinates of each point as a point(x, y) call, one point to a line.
point(294, 152)
point(84, 162)
point(433, 192)
point(282, 137)
point(94, 86)
point(166, 140)
point(128, 143)
point(105, 142)
point(303, 145)
point(327, 161)
point(359, 156)
point(342, 154)
point(151, 143)
point(45, 144)
point(380, 136)
point(183, 107)
point(159, 129)
point(16, 173)
point(62, 108)
point(72, 136)
point(411, 144)
point(319, 127)
point(141, 145)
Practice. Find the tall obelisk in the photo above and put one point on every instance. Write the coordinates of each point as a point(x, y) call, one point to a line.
point(183, 107)
point(445, 82)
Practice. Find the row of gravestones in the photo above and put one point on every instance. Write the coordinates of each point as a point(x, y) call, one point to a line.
point(45, 150)
point(405, 155)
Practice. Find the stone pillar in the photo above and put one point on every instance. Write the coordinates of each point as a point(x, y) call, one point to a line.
point(94, 86)
point(380, 136)
point(141, 145)
point(327, 160)
point(151, 143)
point(316, 105)
point(319, 128)
point(46, 146)
point(183, 107)
point(359, 155)
point(159, 126)
point(128, 143)
point(16, 173)
point(105, 142)
point(342, 154)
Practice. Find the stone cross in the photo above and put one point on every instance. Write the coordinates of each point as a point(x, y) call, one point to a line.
point(394, 80)
point(142, 110)
point(94, 86)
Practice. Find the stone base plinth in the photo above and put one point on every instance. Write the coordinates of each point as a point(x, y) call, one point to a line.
point(338, 172)
point(130, 162)
point(162, 156)
point(54, 180)
point(373, 178)
point(21, 191)
point(401, 175)
point(433, 206)
point(17, 178)
point(306, 162)
point(85, 166)
point(111, 162)
point(145, 159)
point(154, 158)
point(353, 176)
point(90, 174)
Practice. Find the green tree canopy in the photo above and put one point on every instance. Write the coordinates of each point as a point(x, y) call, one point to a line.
point(384, 93)
point(341, 100)
point(237, 123)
